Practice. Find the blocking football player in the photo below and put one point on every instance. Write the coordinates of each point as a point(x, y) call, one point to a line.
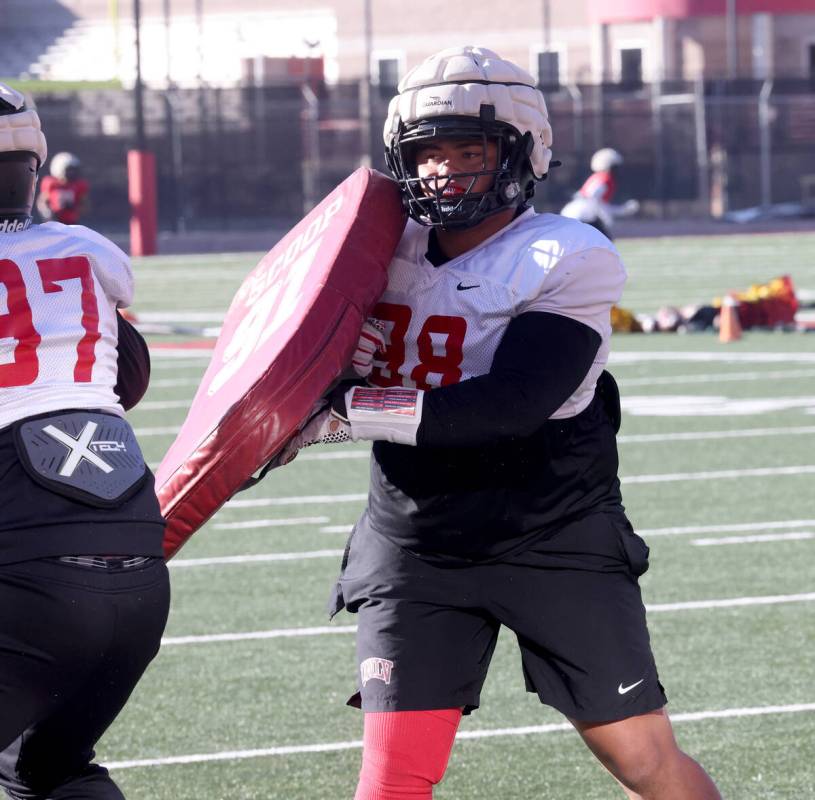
point(494, 494)
point(84, 591)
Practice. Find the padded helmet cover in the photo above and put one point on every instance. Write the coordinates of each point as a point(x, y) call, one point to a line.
point(20, 130)
point(469, 92)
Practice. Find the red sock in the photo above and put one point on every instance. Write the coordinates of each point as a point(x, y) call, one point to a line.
point(405, 753)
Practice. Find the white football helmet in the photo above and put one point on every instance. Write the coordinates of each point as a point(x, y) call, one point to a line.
point(603, 160)
point(469, 92)
point(61, 163)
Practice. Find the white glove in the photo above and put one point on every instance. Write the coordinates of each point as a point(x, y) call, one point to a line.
point(323, 426)
point(361, 413)
point(371, 340)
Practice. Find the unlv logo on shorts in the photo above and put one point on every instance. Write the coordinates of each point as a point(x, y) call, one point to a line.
point(379, 668)
point(289, 333)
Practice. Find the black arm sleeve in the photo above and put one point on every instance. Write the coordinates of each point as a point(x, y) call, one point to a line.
point(541, 361)
point(132, 364)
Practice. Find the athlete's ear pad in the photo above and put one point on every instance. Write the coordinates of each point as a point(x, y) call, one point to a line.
point(290, 332)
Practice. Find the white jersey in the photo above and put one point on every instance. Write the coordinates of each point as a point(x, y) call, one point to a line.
point(444, 324)
point(60, 286)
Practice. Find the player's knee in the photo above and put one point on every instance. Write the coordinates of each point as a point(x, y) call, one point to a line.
point(406, 752)
point(646, 766)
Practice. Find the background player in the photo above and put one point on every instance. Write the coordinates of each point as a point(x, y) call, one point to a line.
point(494, 494)
point(592, 203)
point(64, 194)
point(84, 592)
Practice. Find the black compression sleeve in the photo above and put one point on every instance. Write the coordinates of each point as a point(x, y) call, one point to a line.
point(132, 364)
point(541, 361)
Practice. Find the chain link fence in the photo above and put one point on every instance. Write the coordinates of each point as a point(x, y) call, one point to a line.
point(242, 158)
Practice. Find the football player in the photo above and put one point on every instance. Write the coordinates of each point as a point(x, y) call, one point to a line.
point(494, 495)
point(592, 202)
point(84, 590)
point(64, 193)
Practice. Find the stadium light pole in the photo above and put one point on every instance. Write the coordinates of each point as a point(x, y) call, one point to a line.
point(141, 167)
point(732, 39)
point(366, 93)
point(138, 87)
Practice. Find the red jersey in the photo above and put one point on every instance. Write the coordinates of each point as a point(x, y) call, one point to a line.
point(64, 198)
point(599, 186)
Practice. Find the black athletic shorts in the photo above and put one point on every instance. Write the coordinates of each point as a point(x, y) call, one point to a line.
point(427, 633)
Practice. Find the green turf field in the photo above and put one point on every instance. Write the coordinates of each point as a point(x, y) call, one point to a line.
point(246, 698)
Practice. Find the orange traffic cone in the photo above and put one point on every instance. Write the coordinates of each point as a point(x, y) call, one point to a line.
point(729, 325)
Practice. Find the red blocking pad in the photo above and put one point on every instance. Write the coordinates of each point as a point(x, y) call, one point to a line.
point(290, 332)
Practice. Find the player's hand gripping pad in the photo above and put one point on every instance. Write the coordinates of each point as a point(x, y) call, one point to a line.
point(291, 330)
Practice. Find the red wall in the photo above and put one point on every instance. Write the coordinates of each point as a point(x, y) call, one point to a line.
point(632, 10)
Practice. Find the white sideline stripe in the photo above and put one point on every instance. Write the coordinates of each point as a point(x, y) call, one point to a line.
point(277, 633)
point(640, 356)
point(743, 433)
point(717, 377)
point(270, 523)
point(767, 537)
point(739, 526)
point(177, 563)
point(806, 469)
point(332, 747)
point(165, 431)
point(289, 501)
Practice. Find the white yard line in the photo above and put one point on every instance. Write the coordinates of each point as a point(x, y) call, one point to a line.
point(279, 633)
point(276, 633)
point(690, 436)
point(670, 477)
point(717, 378)
point(731, 602)
point(161, 405)
point(167, 430)
point(301, 499)
point(336, 529)
point(167, 383)
point(768, 537)
point(336, 455)
point(733, 527)
point(644, 356)
point(269, 523)
point(177, 355)
point(713, 475)
point(172, 363)
point(528, 730)
point(180, 563)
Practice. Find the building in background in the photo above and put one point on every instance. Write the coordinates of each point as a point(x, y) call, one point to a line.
point(229, 42)
point(255, 109)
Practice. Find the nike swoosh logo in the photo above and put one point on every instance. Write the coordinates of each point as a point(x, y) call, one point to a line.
point(624, 689)
point(461, 287)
